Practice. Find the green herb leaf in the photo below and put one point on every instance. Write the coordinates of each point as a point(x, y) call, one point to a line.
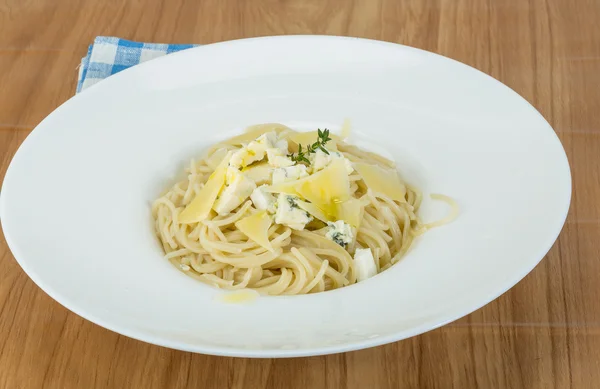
point(301, 156)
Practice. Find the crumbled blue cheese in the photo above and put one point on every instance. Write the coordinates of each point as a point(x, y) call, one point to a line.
point(244, 157)
point(263, 200)
point(237, 189)
point(262, 143)
point(319, 160)
point(364, 264)
point(340, 232)
point(278, 158)
point(268, 140)
point(290, 173)
point(255, 150)
point(289, 214)
point(282, 145)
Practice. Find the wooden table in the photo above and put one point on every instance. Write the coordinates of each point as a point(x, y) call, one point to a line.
point(544, 333)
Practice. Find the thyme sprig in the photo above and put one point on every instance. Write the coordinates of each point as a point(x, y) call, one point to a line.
point(302, 155)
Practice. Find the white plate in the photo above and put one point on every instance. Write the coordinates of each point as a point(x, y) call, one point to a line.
point(75, 202)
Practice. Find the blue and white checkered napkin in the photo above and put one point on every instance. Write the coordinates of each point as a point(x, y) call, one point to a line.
point(109, 55)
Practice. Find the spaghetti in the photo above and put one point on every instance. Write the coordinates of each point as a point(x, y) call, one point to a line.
point(250, 215)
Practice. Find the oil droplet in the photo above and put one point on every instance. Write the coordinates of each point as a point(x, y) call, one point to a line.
point(239, 297)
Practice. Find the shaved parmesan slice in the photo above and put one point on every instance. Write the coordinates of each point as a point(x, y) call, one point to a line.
point(284, 187)
point(216, 158)
point(346, 128)
point(327, 187)
point(259, 173)
point(256, 227)
point(350, 211)
point(313, 210)
point(308, 138)
point(201, 205)
point(383, 181)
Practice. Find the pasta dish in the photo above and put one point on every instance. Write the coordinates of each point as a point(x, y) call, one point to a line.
point(286, 212)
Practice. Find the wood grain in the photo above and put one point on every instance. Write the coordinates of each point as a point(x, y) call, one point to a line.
point(544, 333)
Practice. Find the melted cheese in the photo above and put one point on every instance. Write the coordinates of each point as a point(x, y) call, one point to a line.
point(380, 180)
point(256, 227)
point(201, 205)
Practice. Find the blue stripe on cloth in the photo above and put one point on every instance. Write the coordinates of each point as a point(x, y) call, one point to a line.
point(127, 55)
point(174, 48)
point(131, 44)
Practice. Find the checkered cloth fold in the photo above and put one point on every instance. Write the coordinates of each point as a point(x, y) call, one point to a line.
point(109, 55)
